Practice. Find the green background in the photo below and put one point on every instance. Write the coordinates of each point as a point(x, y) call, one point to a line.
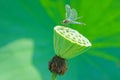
point(26, 39)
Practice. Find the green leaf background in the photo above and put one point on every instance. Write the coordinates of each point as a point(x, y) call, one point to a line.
point(26, 39)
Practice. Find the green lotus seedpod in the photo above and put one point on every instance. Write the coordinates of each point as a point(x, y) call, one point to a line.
point(69, 43)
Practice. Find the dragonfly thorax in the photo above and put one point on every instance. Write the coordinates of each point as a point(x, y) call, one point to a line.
point(66, 21)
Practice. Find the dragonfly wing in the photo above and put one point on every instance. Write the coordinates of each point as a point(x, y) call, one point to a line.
point(73, 14)
point(68, 9)
point(79, 17)
point(75, 22)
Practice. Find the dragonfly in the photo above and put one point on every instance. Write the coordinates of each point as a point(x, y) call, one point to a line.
point(71, 16)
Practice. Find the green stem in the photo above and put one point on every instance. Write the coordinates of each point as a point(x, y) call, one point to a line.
point(54, 75)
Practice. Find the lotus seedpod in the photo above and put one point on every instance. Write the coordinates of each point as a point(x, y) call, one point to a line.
point(69, 43)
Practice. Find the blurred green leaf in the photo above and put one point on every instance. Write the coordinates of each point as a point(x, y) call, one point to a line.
point(26, 40)
point(15, 61)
